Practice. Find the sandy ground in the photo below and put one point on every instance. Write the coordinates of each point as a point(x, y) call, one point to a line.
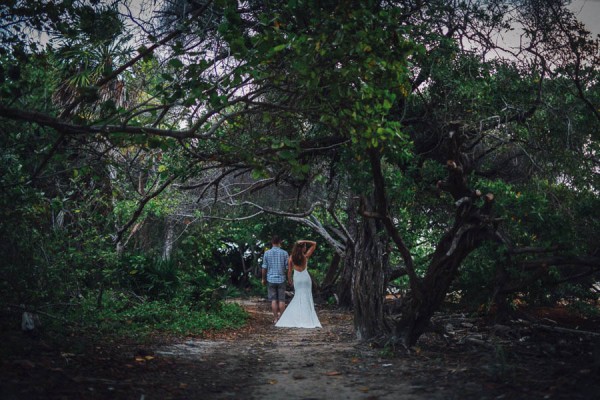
point(287, 363)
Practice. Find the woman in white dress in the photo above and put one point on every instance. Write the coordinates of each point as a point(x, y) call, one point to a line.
point(300, 313)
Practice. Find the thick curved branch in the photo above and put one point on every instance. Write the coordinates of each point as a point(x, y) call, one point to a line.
point(280, 213)
point(74, 129)
point(140, 208)
point(346, 235)
point(316, 225)
point(383, 211)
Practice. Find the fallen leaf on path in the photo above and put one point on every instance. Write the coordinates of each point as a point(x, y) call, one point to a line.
point(273, 382)
point(363, 389)
point(333, 373)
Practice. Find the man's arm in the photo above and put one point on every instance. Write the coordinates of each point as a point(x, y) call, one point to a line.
point(264, 269)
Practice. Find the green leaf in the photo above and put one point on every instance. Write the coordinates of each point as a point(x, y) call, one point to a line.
point(175, 63)
point(279, 48)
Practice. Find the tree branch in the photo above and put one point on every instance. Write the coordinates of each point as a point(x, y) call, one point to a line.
point(382, 210)
point(141, 205)
point(146, 52)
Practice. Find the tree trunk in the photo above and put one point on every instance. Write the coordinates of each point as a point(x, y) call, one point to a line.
point(451, 251)
point(112, 178)
point(369, 280)
point(246, 267)
point(344, 285)
point(168, 244)
point(255, 268)
point(326, 288)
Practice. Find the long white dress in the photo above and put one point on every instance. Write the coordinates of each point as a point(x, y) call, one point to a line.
point(300, 313)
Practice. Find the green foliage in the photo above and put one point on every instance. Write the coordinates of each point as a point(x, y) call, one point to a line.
point(545, 214)
point(154, 278)
point(324, 58)
point(55, 240)
point(542, 216)
point(203, 291)
point(126, 315)
point(475, 285)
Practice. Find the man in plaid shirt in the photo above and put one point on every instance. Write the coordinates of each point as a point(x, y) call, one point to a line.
point(274, 267)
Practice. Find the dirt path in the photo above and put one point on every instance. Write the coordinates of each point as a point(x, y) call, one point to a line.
point(284, 363)
point(324, 364)
point(471, 362)
point(473, 359)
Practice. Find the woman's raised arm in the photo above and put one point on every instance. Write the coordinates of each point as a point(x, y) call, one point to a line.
point(311, 249)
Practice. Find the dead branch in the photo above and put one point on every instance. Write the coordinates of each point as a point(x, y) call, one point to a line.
point(565, 330)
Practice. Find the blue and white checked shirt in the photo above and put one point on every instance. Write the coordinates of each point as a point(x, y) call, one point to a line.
point(275, 261)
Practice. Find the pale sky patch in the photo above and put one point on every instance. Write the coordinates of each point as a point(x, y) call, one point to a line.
point(588, 12)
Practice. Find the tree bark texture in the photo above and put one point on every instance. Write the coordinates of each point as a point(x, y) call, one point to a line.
point(370, 264)
point(344, 285)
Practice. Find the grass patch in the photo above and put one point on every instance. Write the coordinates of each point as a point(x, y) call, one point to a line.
point(126, 316)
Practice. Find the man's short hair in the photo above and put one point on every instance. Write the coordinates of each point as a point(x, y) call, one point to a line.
point(276, 239)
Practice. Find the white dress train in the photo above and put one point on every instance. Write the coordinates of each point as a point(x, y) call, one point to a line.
point(300, 313)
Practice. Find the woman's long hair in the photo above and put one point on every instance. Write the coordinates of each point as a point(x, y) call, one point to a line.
point(298, 257)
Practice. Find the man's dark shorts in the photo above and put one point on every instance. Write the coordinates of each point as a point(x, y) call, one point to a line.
point(276, 291)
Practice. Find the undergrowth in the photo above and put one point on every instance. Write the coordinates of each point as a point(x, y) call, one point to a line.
point(128, 316)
